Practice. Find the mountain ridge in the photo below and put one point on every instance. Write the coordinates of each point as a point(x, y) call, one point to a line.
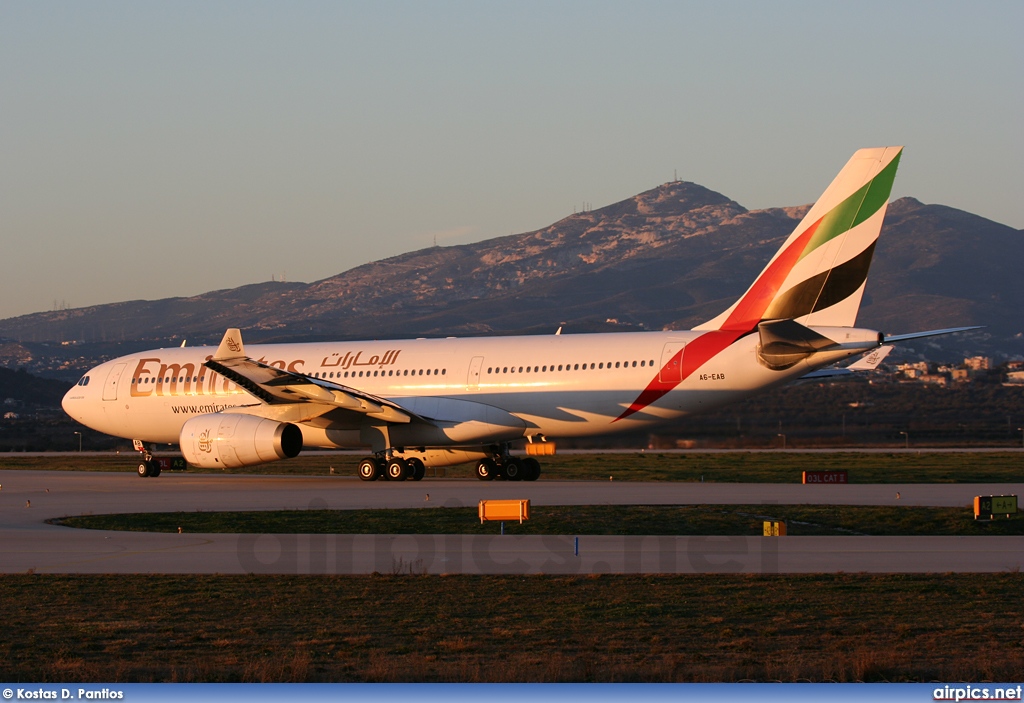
point(668, 258)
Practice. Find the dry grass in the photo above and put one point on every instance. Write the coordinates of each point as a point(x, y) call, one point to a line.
point(537, 628)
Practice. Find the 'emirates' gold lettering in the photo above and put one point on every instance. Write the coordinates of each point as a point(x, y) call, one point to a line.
point(153, 377)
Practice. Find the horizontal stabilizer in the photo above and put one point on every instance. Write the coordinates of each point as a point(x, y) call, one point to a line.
point(930, 333)
point(869, 362)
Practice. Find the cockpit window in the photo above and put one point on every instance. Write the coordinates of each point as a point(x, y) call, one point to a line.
point(83, 381)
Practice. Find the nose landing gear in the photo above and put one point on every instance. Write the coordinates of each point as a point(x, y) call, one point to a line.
point(150, 466)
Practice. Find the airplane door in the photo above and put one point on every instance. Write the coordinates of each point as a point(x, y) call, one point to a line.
point(672, 362)
point(473, 382)
point(110, 387)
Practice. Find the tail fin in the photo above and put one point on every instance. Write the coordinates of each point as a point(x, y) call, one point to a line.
point(819, 274)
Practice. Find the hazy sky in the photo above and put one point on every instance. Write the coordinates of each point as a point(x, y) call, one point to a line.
point(150, 150)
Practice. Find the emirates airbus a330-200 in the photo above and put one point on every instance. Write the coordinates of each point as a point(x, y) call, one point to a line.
point(436, 402)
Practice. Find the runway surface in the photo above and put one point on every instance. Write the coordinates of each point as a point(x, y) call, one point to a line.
point(29, 498)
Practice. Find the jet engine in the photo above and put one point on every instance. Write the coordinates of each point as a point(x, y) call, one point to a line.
point(228, 441)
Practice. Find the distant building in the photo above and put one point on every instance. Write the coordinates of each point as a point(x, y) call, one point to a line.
point(933, 378)
point(913, 370)
point(978, 363)
point(959, 375)
point(1015, 378)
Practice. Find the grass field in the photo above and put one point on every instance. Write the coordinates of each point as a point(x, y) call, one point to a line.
point(536, 628)
point(745, 467)
point(843, 627)
point(574, 520)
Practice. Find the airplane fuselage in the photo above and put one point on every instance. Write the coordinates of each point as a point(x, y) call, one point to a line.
point(557, 385)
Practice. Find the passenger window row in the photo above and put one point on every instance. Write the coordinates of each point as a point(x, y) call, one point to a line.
point(375, 374)
point(199, 379)
point(569, 367)
point(168, 379)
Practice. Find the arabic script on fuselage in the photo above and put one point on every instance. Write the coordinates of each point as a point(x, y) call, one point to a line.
point(152, 376)
point(336, 360)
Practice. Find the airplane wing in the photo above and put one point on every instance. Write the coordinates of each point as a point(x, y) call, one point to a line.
point(868, 362)
point(274, 386)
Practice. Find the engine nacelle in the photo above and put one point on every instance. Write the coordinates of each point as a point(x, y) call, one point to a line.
point(228, 441)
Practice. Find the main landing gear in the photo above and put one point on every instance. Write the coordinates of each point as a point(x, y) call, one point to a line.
point(509, 468)
point(500, 465)
point(394, 469)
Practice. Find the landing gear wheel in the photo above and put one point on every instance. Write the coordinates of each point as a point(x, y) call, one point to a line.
point(486, 469)
point(143, 469)
point(513, 469)
point(417, 468)
point(398, 469)
point(531, 469)
point(154, 468)
point(369, 469)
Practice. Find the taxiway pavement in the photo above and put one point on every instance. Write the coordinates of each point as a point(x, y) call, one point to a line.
point(29, 498)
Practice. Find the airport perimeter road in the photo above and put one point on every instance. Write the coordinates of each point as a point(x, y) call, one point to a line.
point(29, 498)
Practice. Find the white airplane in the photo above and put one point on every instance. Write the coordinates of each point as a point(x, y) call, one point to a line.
point(437, 402)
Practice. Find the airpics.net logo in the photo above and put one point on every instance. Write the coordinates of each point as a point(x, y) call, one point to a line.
point(978, 693)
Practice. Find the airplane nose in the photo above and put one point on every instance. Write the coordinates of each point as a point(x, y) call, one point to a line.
point(72, 402)
point(68, 403)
